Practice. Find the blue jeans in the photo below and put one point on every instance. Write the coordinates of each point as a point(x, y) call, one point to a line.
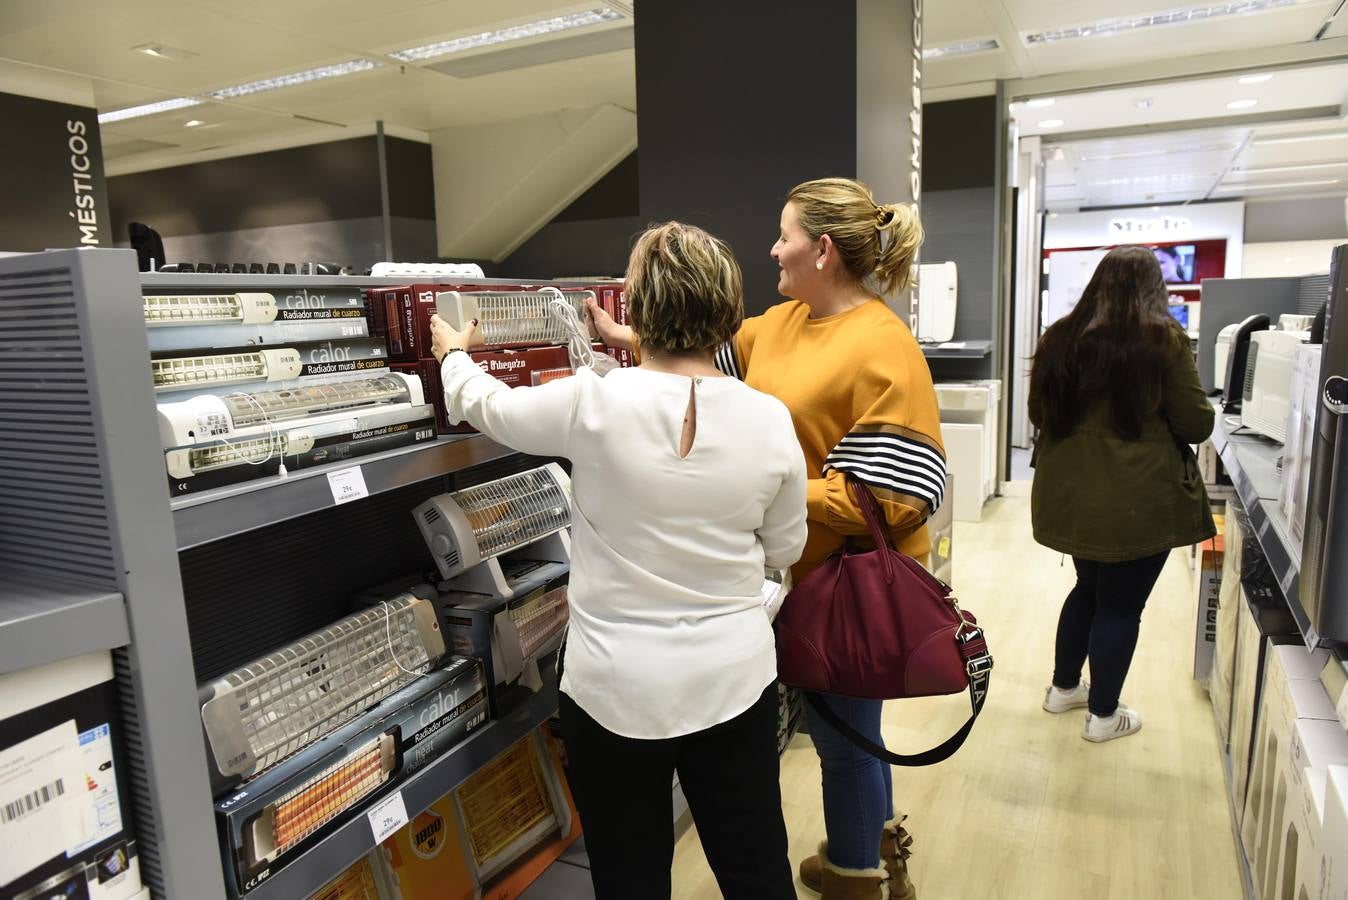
point(858, 788)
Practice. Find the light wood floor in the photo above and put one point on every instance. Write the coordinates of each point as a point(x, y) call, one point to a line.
point(1027, 809)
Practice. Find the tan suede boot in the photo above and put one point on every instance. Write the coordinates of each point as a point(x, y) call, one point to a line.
point(838, 883)
point(894, 843)
point(812, 869)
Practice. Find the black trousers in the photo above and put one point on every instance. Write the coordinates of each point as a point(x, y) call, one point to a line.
point(729, 776)
point(1099, 621)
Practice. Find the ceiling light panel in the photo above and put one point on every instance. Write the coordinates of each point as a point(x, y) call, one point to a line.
point(1324, 182)
point(1305, 167)
point(1300, 138)
point(542, 27)
point(349, 67)
point(1182, 16)
point(964, 48)
point(148, 109)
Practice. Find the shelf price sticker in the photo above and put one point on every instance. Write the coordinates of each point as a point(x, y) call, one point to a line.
point(347, 485)
point(387, 817)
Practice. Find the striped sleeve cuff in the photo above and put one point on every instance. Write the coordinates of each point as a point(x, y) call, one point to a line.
point(902, 467)
point(727, 361)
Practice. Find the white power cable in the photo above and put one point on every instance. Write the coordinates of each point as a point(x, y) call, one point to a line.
point(578, 346)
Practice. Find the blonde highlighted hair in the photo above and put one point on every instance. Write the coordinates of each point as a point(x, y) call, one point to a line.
point(685, 293)
point(877, 242)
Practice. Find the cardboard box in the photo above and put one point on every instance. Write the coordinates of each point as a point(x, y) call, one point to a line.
point(1298, 845)
point(65, 809)
point(1264, 621)
point(1332, 880)
point(1304, 406)
point(613, 299)
point(426, 859)
point(1208, 579)
point(1291, 692)
point(1221, 680)
point(267, 824)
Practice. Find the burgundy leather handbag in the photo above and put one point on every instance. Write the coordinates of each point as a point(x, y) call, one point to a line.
point(874, 624)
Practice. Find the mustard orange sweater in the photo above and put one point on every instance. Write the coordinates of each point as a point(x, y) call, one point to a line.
point(861, 398)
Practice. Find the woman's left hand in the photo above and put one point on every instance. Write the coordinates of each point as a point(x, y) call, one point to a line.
point(446, 338)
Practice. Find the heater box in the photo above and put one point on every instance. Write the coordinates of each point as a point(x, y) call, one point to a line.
point(267, 824)
point(193, 320)
point(253, 368)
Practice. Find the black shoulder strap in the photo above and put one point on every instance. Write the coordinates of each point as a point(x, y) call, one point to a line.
point(978, 664)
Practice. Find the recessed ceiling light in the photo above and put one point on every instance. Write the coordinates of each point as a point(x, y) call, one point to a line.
point(270, 84)
point(148, 109)
point(1280, 185)
point(1255, 79)
point(193, 123)
point(1300, 138)
point(1241, 104)
point(1296, 168)
point(1141, 154)
point(163, 51)
point(1051, 123)
point(1143, 103)
point(1053, 215)
point(1186, 15)
point(963, 48)
point(505, 35)
point(1040, 102)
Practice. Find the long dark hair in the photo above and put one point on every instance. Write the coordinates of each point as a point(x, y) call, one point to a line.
point(1119, 342)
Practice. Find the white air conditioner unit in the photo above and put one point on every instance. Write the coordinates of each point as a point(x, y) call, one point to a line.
point(239, 416)
point(937, 292)
point(1268, 382)
point(272, 707)
point(511, 318)
point(468, 531)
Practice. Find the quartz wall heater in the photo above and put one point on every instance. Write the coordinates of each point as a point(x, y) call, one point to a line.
point(210, 417)
point(272, 707)
point(309, 442)
point(511, 318)
point(471, 532)
point(209, 370)
point(264, 825)
point(209, 309)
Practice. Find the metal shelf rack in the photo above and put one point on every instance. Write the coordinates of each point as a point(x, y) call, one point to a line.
point(99, 560)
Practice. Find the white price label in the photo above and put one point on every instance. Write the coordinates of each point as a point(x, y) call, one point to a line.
point(347, 485)
point(387, 817)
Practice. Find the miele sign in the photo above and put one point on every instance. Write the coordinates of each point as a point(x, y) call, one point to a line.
point(1165, 225)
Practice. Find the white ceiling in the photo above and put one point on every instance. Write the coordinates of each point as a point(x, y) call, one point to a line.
point(80, 51)
point(1187, 145)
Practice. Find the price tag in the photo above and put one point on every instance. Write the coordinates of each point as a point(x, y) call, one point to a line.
point(943, 548)
point(388, 816)
point(347, 485)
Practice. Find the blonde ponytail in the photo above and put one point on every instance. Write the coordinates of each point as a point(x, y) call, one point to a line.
point(877, 243)
point(900, 236)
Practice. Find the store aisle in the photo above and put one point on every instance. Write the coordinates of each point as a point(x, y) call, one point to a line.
point(1028, 809)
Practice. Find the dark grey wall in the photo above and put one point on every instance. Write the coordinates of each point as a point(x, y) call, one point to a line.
point(961, 226)
point(1309, 219)
point(51, 177)
point(735, 107)
point(316, 203)
point(1228, 300)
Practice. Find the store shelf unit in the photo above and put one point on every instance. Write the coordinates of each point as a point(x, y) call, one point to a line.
point(44, 621)
point(1252, 461)
point(958, 350)
point(103, 558)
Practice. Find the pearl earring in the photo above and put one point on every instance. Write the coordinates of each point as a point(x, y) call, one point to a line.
point(819, 264)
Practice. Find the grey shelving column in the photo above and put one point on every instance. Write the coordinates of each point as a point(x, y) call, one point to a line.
point(87, 540)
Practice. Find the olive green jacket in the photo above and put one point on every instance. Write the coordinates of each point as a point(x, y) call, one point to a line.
point(1101, 497)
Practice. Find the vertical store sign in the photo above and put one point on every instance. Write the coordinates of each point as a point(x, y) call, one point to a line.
point(889, 109)
point(51, 176)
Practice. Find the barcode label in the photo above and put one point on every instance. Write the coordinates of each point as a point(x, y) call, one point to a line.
point(32, 802)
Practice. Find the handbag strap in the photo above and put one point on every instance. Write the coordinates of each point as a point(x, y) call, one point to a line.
point(977, 663)
point(870, 511)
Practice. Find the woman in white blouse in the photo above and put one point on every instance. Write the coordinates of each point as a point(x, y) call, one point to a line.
point(686, 485)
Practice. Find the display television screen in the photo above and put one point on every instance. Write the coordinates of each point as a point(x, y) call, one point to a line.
point(1177, 263)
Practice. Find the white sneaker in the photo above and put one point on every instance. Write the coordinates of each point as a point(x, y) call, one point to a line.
point(1056, 700)
point(1124, 722)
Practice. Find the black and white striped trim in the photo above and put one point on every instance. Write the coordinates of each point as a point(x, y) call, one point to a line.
point(892, 462)
point(726, 361)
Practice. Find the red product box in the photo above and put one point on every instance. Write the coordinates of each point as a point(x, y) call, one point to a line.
point(613, 300)
point(402, 317)
point(517, 368)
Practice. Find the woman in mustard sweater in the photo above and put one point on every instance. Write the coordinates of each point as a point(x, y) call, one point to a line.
point(862, 402)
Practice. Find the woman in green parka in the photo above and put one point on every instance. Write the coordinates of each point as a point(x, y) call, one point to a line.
point(1116, 397)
